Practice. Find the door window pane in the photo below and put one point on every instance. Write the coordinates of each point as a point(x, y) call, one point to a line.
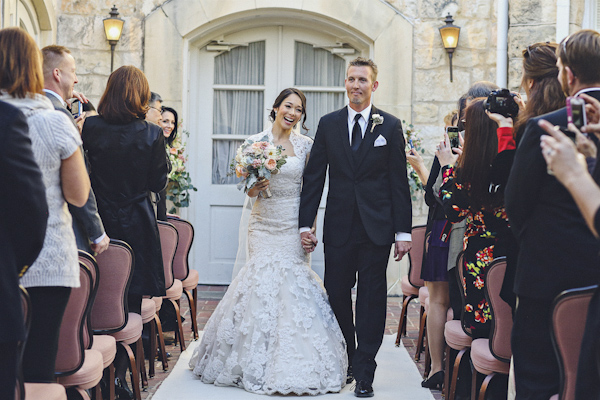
point(243, 65)
point(237, 112)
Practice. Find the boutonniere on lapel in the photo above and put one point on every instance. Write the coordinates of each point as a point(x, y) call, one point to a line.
point(376, 119)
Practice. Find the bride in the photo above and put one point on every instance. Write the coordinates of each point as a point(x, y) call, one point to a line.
point(274, 331)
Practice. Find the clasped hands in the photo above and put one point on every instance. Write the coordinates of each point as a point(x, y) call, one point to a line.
point(309, 240)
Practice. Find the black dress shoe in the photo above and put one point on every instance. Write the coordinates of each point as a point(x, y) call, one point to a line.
point(350, 376)
point(363, 389)
point(435, 381)
point(122, 391)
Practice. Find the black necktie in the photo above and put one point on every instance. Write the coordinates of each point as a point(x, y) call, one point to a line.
point(356, 134)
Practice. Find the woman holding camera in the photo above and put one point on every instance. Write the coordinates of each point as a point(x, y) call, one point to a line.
point(465, 194)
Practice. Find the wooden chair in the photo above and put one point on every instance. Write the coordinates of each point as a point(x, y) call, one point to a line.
point(491, 357)
point(458, 340)
point(33, 391)
point(110, 314)
point(76, 366)
point(569, 314)
point(105, 344)
point(181, 268)
point(411, 282)
point(168, 243)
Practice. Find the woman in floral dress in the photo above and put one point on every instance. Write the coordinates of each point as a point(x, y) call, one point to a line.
point(473, 190)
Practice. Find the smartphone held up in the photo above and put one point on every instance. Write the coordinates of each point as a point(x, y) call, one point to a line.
point(576, 112)
point(76, 108)
point(452, 132)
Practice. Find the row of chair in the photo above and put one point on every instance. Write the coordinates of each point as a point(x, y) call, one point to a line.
point(490, 358)
point(97, 318)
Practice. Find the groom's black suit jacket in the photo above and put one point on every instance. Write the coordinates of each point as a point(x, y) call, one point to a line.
point(373, 180)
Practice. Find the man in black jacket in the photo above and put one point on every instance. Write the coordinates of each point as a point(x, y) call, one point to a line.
point(59, 80)
point(557, 250)
point(368, 210)
point(23, 218)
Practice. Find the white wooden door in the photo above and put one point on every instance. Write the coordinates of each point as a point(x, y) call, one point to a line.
point(224, 111)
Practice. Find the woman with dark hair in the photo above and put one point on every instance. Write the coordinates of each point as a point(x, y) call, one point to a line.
point(128, 161)
point(465, 195)
point(55, 143)
point(168, 123)
point(274, 331)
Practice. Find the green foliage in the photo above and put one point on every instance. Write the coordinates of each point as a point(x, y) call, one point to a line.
point(412, 136)
point(180, 182)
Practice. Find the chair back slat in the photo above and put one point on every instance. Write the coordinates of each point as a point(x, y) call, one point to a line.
point(569, 313)
point(71, 337)
point(502, 321)
point(89, 261)
point(460, 276)
point(185, 232)
point(168, 244)
point(115, 265)
point(415, 256)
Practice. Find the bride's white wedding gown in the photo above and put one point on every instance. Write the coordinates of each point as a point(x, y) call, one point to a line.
point(274, 331)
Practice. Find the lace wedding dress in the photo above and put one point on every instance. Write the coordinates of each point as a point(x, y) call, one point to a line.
point(274, 331)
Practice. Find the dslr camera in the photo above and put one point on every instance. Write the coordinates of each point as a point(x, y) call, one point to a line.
point(502, 102)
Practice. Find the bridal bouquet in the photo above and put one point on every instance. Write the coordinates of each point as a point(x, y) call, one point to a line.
point(256, 161)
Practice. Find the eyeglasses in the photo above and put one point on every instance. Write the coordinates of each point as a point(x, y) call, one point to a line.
point(157, 109)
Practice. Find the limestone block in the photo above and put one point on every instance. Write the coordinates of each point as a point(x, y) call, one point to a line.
point(427, 34)
point(408, 8)
point(475, 35)
point(465, 57)
point(372, 17)
point(515, 73)
point(433, 9)
point(576, 9)
point(435, 85)
point(532, 12)
point(433, 57)
point(425, 113)
point(519, 37)
point(92, 62)
point(92, 86)
point(217, 9)
point(481, 9)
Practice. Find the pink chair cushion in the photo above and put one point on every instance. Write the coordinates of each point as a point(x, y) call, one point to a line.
point(416, 255)
point(483, 359)
point(107, 346)
point(191, 282)
point(407, 288)
point(175, 291)
point(46, 391)
point(555, 397)
point(158, 303)
point(89, 374)
point(426, 304)
point(132, 331)
point(423, 294)
point(455, 336)
point(148, 310)
point(450, 314)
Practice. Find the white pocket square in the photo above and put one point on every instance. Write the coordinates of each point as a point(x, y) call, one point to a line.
point(380, 141)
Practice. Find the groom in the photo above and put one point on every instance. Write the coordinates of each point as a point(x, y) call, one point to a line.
point(368, 209)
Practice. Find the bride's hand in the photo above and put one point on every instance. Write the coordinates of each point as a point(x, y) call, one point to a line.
point(309, 240)
point(258, 187)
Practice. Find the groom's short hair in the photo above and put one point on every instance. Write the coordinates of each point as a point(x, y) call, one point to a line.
point(363, 62)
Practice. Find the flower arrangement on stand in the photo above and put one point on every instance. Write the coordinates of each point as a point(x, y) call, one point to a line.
point(179, 180)
point(413, 140)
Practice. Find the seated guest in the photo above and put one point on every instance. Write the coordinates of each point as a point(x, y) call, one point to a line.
point(55, 144)
point(557, 251)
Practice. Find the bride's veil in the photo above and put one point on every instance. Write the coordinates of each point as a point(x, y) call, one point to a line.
point(242, 253)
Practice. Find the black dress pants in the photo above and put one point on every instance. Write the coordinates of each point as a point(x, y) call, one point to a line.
point(48, 306)
point(536, 366)
point(342, 263)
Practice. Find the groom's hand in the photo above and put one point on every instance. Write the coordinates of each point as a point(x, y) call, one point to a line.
point(309, 240)
point(401, 249)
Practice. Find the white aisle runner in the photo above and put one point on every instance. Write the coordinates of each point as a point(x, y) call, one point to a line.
point(397, 378)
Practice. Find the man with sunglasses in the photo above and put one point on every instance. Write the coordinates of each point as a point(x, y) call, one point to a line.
point(557, 250)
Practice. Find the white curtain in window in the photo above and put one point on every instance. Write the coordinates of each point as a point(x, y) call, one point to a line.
point(236, 111)
point(318, 67)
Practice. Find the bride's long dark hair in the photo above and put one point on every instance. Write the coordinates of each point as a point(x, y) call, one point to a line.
point(285, 93)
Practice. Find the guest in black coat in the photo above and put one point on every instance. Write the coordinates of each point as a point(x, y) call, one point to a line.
point(23, 218)
point(557, 249)
point(128, 161)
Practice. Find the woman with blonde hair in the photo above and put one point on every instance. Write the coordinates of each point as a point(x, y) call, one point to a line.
point(55, 144)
